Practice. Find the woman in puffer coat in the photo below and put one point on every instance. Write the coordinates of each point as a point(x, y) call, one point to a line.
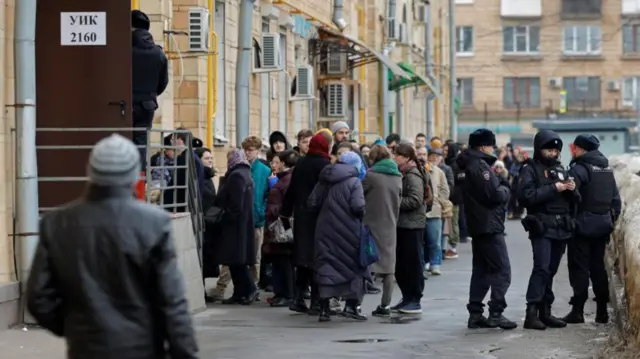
point(339, 199)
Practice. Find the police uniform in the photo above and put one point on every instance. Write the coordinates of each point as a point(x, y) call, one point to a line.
point(597, 212)
point(485, 198)
point(549, 222)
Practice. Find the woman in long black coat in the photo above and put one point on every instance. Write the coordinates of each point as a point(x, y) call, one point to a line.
point(303, 179)
point(233, 244)
point(210, 268)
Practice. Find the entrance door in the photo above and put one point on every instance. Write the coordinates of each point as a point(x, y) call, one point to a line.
point(78, 87)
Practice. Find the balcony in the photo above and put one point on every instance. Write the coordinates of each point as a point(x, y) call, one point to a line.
point(631, 8)
point(581, 9)
point(521, 9)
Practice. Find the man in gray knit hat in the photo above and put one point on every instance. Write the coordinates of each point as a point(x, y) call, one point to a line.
point(340, 130)
point(105, 274)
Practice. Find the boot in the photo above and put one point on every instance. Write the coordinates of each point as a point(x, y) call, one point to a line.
point(298, 305)
point(549, 320)
point(477, 321)
point(532, 320)
point(314, 308)
point(351, 311)
point(576, 315)
point(602, 315)
point(324, 316)
point(501, 322)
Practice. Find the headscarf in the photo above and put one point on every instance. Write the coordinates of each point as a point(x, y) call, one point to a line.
point(236, 158)
point(353, 159)
point(318, 145)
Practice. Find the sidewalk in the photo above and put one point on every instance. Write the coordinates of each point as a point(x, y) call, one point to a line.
point(261, 332)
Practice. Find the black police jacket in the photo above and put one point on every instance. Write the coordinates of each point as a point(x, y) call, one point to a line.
point(600, 205)
point(150, 69)
point(485, 196)
point(549, 212)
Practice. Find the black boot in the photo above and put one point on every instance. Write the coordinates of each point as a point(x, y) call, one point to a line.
point(576, 315)
point(324, 311)
point(477, 321)
point(501, 321)
point(602, 315)
point(314, 308)
point(532, 320)
point(298, 305)
point(351, 311)
point(549, 320)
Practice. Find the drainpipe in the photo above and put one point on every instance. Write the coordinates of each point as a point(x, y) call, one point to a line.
point(27, 216)
point(428, 39)
point(385, 96)
point(453, 83)
point(243, 69)
point(338, 15)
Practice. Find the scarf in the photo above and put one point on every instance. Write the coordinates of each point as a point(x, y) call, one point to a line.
point(386, 166)
point(319, 146)
point(236, 158)
point(353, 159)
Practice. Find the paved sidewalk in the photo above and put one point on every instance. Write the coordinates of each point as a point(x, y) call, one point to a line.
point(260, 332)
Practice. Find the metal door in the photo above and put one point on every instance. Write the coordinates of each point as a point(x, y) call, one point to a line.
point(78, 87)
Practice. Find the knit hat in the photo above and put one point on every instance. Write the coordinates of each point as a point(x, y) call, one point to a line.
point(482, 137)
point(353, 159)
point(114, 162)
point(196, 143)
point(379, 142)
point(337, 126)
point(498, 163)
point(140, 20)
point(587, 142)
point(436, 143)
point(319, 145)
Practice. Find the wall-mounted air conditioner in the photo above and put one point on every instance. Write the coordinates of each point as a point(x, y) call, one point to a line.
point(198, 29)
point(336, 63)
point(336, 99)
point(286, 21)
point(304, 83)
point(269, 54)
point(392, 29)
point(613, 85)
point(555, 82)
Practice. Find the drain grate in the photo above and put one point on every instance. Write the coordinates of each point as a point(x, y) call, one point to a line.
point(362, 341)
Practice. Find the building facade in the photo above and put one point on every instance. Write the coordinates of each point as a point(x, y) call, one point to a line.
point(521, 60)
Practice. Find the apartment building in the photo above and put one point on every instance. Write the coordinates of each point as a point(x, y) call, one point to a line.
point(519, 60)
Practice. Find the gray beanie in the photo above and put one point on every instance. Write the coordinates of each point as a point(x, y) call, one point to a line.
point(336, 126)
point(114, 162)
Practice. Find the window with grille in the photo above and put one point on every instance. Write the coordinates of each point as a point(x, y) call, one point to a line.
point(521, 92)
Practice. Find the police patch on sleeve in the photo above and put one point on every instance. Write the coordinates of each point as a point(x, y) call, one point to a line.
point(486, 175)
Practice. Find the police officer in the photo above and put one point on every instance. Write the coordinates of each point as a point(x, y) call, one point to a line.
point(597, 212)
point(150, 76)
point(485, 201)
point(547, 192)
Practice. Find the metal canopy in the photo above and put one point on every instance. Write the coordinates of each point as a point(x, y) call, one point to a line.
point(586, 124)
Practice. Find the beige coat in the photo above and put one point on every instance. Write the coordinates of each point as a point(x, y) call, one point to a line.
point(440, 191)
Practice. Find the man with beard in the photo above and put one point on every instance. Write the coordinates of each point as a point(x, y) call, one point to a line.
point(547, 192)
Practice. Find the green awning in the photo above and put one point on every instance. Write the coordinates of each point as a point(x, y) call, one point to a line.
point(397, 83)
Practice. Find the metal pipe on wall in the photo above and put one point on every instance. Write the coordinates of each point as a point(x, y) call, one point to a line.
point(385, 97)
point(212, 66)
point(428, 56)
point(453, 82)
point(135, 4)
point(27, 216)
point(362, 74)
point(338, 15)
point(243, 69)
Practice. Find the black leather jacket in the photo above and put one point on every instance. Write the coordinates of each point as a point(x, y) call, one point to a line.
point(105, 277)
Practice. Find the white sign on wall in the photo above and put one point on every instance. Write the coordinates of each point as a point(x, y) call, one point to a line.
point(83, 28)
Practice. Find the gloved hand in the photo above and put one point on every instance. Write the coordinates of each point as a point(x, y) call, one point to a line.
point(272, 181)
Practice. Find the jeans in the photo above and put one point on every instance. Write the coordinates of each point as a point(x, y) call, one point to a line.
point(433, 241)
point(282, 276)
point(243, 285)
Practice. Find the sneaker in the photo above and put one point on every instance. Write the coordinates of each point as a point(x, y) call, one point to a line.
point(427, 266)
point(451, 254)
point(411, 308)
point(435, 270)
point(381, 311)
point(396, 308)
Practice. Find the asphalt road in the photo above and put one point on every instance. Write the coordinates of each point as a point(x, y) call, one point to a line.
point(261, 332)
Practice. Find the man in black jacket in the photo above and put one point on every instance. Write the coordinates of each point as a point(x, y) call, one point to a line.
point(547, 192)
point(597, 213)
point(150, 77)
point(485, 200)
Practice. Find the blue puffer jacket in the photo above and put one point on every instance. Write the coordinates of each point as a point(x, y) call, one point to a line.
point(260, 174)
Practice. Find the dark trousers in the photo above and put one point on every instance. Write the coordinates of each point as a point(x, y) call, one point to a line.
point(409, 263)
point(243, 285)
point(586, 261)
point(547, 254)
point(491, 270)
point(304, 280)
point(462, 223)
point(142, 117)
point(282, 276)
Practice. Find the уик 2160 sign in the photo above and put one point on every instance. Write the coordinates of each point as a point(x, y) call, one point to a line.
point(83, 28)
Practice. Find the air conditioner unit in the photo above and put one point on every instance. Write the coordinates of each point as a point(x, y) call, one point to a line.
point(555, 82)
point(392, 29)
point(287, 21)
point(336, 63)
point(403, 35)
point(270, 53)
point(198, 29)
point(304, 83)
point(336, 99)
point(613, 85)
point(270, 11)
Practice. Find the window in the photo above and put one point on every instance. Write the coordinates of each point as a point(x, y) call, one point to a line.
point(582, 91)
point(582, 40)
point(521, 39)
point(464, 40)
point(465, 91)
point(631, 39)
point(404, 13)
point(631, 91)
point(523, 92)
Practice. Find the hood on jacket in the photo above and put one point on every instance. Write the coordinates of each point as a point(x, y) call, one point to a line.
point(545, 139)
point(471, 154)
point(337, 173)
point(142, 39)
point(595, 158)
point(452, 153)
point(277, 136)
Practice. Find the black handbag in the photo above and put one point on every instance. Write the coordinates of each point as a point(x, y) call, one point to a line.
point(214, 215)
